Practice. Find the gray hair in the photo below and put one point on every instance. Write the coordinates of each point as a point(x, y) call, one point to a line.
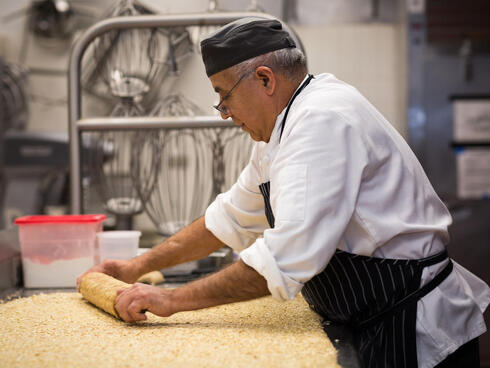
point(290, 62)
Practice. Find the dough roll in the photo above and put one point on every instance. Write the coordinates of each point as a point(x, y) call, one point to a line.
point(101, 290)
point(151, 278)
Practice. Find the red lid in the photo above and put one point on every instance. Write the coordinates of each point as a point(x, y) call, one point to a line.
point(43, 219)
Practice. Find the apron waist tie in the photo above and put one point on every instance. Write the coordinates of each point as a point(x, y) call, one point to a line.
point(412, 297)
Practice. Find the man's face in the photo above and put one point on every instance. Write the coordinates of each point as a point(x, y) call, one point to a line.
point(246, 104)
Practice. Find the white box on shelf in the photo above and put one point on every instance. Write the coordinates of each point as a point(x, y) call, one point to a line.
point(471, 119)
point(473, 173)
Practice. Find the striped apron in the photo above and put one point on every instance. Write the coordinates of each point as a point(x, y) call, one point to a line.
point(375, 297)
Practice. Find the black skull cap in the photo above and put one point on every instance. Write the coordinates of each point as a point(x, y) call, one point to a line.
point(241, 40)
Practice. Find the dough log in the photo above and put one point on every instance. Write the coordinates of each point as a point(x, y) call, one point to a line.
point(101, 290)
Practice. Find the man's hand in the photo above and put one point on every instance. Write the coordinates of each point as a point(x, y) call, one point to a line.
point(235, 283)
point(191, 243)
point(132, 303)
point(119, 269)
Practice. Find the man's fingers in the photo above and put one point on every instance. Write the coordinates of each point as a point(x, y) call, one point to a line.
point(130, 304)
point(121, 304)
point(122, 312)
point(137, 310)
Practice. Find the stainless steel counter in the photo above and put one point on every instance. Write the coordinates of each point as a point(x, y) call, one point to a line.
point(343, 341)
point(10, 265)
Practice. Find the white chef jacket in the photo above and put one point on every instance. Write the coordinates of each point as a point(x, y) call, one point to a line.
point(341, 177)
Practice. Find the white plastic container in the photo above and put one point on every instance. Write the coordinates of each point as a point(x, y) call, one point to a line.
point(57, 249)
point(118, 244)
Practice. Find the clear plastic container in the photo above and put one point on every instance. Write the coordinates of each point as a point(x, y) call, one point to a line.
point(57, 249)
point(118, 244)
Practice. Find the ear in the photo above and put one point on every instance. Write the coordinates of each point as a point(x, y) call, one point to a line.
point(267, 79)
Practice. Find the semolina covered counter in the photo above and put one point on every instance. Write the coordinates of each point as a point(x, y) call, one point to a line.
point(62, 329)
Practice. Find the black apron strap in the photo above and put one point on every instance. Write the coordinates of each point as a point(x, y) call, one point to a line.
point(298, 91)
point(265, 189)
point(411, 298)
point(432, 260)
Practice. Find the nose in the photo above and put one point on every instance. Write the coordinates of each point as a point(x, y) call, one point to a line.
point(224, 116)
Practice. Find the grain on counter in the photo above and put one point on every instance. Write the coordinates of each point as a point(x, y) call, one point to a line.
point(62, 329)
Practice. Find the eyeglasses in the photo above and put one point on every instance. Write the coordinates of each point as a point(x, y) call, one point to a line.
point(220, 107)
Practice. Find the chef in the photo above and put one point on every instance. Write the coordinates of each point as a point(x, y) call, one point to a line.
point(333, 204)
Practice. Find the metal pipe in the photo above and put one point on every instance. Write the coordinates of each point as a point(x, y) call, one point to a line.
point(80, 46)
point(111, 123)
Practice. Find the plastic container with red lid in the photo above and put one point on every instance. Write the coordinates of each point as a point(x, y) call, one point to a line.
point(45, 219)
point(57, 249)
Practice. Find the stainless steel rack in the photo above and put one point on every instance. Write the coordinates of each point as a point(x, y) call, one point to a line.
point(77, 124)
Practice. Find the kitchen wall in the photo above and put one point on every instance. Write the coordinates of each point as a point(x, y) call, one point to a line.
point(369, 55)
point(366, 50)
